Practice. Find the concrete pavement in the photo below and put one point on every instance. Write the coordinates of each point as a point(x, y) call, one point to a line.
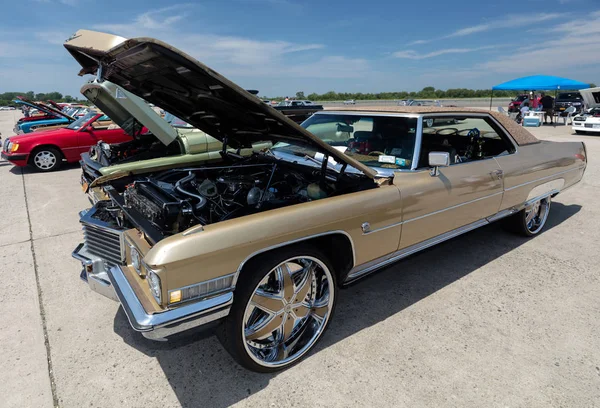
point(487, 319)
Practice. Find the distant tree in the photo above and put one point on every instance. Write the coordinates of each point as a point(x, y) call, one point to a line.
point(300, 95)
point(593, 85)
point(54, 96)
point(30, 95)
point(68, 98)
point(313, 96)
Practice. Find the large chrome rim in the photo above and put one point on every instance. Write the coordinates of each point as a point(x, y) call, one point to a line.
point(536, 215)
point(429, 122)
point(288, 311)
point(45, 160)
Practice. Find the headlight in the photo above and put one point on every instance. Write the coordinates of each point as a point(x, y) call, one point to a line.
point(9, 146)
point(136, 260)
point(154, 283)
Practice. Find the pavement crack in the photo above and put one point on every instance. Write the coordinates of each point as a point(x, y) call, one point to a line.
point(40, 300)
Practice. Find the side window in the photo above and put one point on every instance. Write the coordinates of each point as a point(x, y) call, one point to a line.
point(465, 138)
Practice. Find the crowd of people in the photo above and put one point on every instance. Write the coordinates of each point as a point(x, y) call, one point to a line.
point(539, 102)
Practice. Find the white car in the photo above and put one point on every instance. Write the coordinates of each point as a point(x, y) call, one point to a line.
point(6, 108)
point(350, 102)
point(589, 120)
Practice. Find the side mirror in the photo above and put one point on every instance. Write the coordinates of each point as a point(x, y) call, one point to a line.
point(437, 160)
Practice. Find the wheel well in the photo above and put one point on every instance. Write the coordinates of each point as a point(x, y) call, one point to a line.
point(39, 147)
point(337, 247)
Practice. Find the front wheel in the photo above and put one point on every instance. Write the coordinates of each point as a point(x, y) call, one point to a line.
point(283, 304)
point(531, 220)
point(46, 159)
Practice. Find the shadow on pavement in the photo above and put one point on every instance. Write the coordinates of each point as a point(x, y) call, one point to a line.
point(201, 372)
point(32, 170)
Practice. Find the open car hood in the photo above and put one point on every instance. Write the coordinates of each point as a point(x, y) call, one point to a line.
point(46, 108)
point(591, 96)
point(176, 82)
point(126, 109)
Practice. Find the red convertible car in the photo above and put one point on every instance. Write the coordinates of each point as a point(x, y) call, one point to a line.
point(47, 150)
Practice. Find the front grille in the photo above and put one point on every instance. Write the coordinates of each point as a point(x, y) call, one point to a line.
point(103, 242)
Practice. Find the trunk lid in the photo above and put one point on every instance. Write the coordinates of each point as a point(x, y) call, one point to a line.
point(176, 82)
point(591, 96)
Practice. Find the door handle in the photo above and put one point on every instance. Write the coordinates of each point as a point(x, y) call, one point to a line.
point(497, 173)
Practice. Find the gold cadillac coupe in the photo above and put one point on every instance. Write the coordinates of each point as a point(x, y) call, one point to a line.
point(259, 245)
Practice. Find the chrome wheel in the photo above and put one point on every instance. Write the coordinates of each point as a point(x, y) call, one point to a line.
point(45, 160)
point(428, 122)
point(288, 311)
point(536, 215)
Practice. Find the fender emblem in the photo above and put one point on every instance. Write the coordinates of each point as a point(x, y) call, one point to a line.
point(366, 227)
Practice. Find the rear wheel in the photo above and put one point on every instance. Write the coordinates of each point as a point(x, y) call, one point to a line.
point(283, 304)
point(531, 220)
point(46, 159)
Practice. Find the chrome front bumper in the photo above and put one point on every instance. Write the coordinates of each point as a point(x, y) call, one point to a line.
point(112, 283)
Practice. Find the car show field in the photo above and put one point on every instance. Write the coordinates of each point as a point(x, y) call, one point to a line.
point(485, 319)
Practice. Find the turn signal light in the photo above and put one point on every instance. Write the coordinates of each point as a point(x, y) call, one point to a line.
point(175, 296)
point(14, 147)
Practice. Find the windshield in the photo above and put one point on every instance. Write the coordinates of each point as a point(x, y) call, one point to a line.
point(81, 121)
point(570, 95)
point(377, 141)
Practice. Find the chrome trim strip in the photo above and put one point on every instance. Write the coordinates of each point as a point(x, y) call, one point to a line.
point(252, 255)
point(455, 206)
point(418, 141)
point(544, 178)
point(433, 213)
point(159, 325)
point(362, 270)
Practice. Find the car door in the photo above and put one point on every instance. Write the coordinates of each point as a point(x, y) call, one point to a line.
point(459, 197)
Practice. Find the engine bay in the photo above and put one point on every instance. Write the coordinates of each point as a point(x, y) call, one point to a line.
point(172, 201)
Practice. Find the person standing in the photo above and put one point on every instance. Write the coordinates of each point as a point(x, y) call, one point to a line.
point(548, 107)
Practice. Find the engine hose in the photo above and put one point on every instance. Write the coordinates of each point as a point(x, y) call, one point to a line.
point(178, 187)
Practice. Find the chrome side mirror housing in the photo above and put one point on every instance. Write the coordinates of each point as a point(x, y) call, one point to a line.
point(437, 160)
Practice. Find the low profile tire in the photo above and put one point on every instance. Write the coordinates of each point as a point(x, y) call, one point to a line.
point(283, 304)
point(531, 220)
point(46, 159)
point(581, 132)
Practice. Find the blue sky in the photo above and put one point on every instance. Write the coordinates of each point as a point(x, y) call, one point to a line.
point(284, 46)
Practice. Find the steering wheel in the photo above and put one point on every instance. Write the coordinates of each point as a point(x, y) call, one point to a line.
point(375, 153)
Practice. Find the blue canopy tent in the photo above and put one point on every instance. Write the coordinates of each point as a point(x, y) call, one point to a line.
point(539, 82)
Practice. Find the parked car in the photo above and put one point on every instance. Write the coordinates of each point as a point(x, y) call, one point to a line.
point(349, 102)
point(515, 104)
point(430, 122)
point(589, 120)
point(7, 108)
point(169, 142)
point(566, 99)
point(47, 150)
point(260, 246)
point(50, 118)
point(298, 110)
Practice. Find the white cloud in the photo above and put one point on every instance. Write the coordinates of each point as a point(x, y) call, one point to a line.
point(411, 54)
point(163, 19)
point(577, 44)
point(240, 56)
point(509, 21)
